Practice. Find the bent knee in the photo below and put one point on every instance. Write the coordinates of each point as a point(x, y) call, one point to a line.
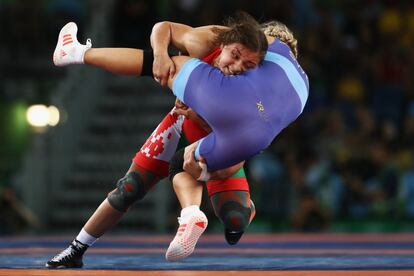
point(235, 217)
point(129, 189)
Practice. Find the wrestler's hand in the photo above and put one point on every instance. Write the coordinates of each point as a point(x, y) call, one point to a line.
point(180, 105)
point(182, 109)
point(190, 164)
point(162, 68)
point(194, 167)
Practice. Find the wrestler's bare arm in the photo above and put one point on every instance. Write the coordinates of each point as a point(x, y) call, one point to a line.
point(194, 42)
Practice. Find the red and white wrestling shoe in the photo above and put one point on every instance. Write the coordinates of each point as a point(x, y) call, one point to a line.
point(190, 229)
point(68, 50)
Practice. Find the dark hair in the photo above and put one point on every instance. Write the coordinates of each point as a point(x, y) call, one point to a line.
point(243, 29)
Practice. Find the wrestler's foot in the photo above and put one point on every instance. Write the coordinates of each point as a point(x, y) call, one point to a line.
point(71, 257)
point(187, 236)
point(68, 49)
point(233, 237)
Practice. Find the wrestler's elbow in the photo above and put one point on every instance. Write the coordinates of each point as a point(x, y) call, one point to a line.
point(161, 24)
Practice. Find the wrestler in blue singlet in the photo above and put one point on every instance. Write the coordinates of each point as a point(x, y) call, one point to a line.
point(247, 111)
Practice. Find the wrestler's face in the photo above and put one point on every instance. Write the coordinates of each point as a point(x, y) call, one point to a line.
point(235, 59)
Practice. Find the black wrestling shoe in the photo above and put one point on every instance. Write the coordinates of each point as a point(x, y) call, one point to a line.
point(232, 237)
point(71, 257)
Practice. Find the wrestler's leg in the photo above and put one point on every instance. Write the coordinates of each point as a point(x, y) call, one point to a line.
point(192, 221)
point(124, 61)
point(189, 192)
point(150, 164)
point(231, 202)
point(106, 215)
point(235, 210)
point(121, 61)
point(136, 183)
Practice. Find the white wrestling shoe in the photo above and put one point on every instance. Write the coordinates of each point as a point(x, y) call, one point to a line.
point(68, 49)
point(187, 236)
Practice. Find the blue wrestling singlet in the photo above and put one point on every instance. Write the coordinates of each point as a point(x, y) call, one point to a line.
point(247, 111)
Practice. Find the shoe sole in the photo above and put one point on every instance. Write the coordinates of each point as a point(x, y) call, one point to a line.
point(185, 246)
point(62, 266)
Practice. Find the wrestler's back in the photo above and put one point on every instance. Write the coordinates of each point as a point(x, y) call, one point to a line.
point(247, 111)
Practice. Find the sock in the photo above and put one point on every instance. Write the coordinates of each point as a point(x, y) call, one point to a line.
point(85, 48)
point(187, 212)
point(86, 238)
point(80, 53)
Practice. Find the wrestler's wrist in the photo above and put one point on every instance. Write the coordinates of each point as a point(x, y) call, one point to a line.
point(160, 53)
point(204, 175)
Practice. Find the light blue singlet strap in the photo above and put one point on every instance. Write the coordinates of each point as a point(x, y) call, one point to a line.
point(181, 79)
point(292, 73)
point(197, 151)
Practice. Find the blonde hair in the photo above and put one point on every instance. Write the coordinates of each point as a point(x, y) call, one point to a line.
point(282, 32)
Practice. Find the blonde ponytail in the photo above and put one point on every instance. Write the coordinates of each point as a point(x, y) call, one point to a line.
point(282, 32)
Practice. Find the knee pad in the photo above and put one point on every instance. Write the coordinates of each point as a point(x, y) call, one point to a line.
point(235, 216)
point(129, 189)
point(176, 164)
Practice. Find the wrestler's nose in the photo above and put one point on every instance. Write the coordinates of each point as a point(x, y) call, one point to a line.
point(237, 68)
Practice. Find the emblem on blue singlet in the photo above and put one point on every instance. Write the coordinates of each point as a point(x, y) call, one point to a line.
point(262, 112)
point(260, 106)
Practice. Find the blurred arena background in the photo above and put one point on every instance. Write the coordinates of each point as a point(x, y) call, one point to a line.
point(345, 165)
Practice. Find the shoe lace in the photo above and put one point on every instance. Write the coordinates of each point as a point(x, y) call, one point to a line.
point(68, 252)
